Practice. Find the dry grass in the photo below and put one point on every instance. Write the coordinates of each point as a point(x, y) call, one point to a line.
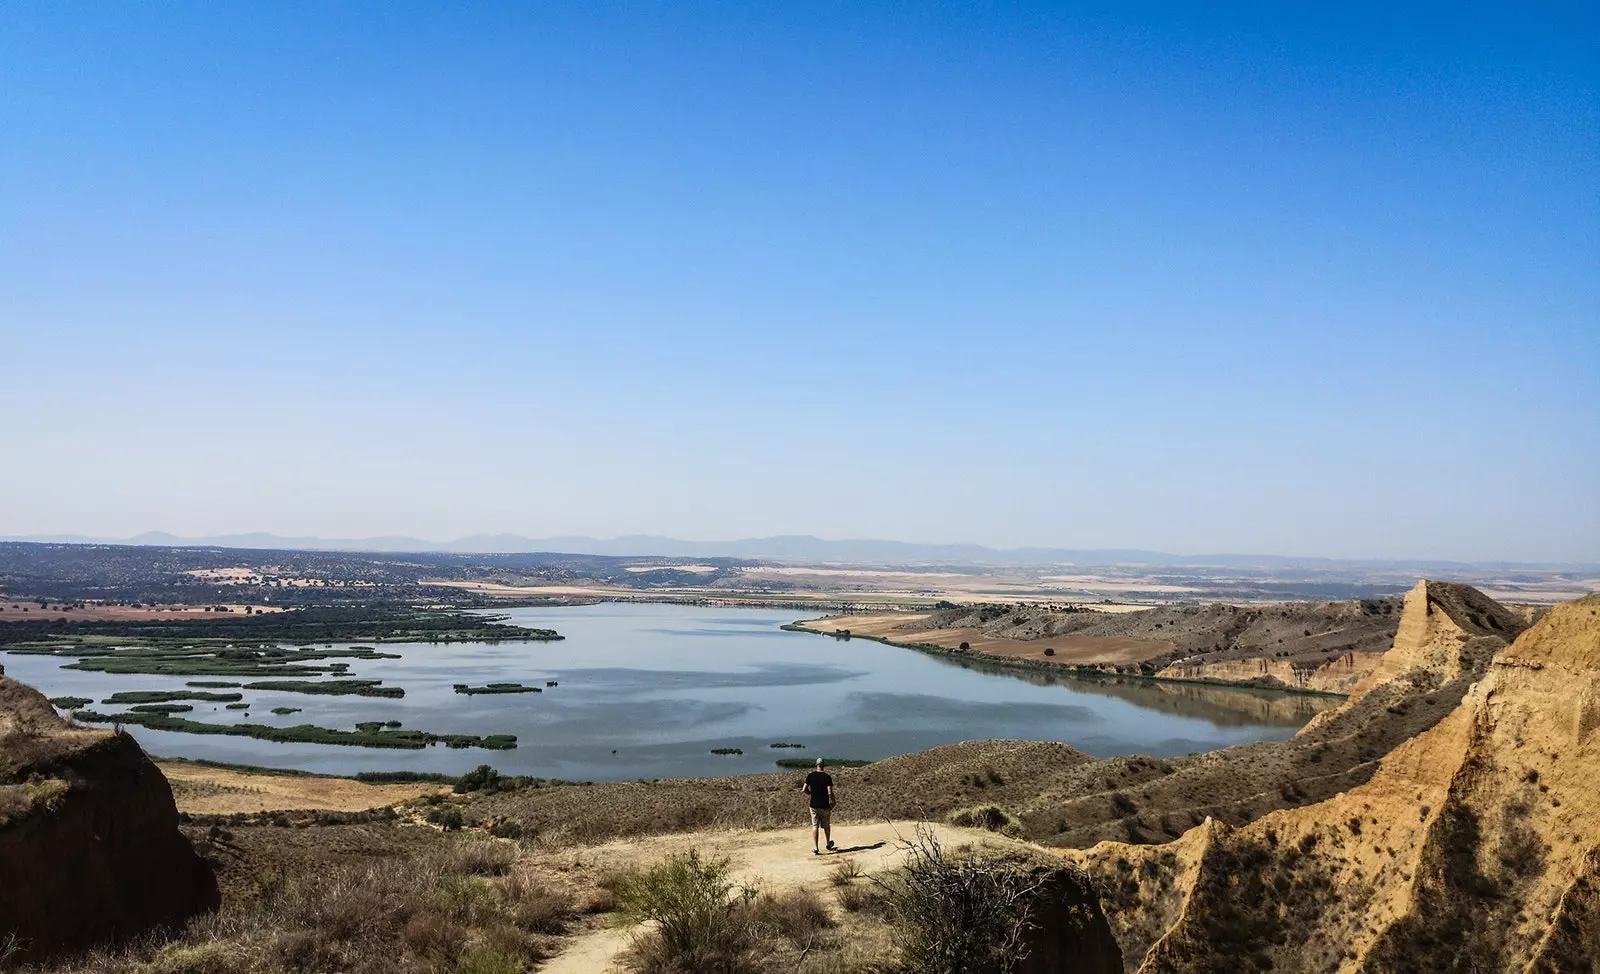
point(465, 908)
point(844, 872)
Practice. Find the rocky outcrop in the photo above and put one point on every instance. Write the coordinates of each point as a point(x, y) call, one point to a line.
point(1474, 846)
point(90, 849)
point(1069, 932)
point(1444, 643)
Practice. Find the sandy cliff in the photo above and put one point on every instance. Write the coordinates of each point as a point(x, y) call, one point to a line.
point(89, 844)
point(1474, 846)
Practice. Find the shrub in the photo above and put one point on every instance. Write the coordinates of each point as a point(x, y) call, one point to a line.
point(853, 899)
point(199, 959)
point(697, 914)
point(798, 915)
point(481, 778)
point(504, 829)
point(480, 857)
point(958, 915)
point(482, 960)
point(447, 817)
point(844, 871)
point(987, 816)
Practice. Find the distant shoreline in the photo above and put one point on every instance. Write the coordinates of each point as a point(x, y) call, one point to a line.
point(1085, 671)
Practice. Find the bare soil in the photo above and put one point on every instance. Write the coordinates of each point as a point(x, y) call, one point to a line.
point(203, 790)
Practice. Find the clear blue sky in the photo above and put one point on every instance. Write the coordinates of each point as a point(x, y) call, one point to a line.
point(1191, 277)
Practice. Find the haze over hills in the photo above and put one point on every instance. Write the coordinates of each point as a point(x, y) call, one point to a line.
point(790, 548)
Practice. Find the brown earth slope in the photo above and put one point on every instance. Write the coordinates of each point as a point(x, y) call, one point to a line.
point(1327, 646)
point(89, 843)
point(1474, 847)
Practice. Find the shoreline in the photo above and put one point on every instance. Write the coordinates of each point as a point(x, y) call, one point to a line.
point(1078, 670)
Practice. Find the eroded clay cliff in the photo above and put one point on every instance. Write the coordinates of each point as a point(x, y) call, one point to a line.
point(1474, 846)
point(90, 849)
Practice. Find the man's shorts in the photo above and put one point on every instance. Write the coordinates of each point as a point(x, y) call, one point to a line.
point(821, 817)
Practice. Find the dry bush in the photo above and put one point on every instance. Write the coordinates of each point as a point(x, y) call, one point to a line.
point(532, 904)
point(965, 914)
point(987, 816)
point(797, 915)
point(431, 912)
point(481, 857)
point(856, 899)
point(844, 872)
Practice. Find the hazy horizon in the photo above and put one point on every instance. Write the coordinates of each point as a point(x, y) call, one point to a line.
point(1316, 283)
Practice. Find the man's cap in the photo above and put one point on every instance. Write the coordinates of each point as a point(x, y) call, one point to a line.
point(819, 762)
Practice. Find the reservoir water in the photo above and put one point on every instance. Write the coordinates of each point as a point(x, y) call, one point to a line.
point(647, 691)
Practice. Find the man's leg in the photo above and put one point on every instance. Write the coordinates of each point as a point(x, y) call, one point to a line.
point(816, 821)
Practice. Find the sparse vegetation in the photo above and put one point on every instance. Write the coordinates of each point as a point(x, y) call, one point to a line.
point(703, 921)
point(461, 907)
point(988, 816)
point(958, 914)
point(70, 703)
point(357, 688)
point(304, 733)
point(831, 762)
point(727, 750)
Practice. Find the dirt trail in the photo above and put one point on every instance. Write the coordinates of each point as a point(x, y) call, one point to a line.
point(777, 861)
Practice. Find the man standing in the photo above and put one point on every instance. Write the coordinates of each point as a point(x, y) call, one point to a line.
point(819, 785)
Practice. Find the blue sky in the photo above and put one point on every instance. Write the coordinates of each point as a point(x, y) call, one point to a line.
point(1322, 282)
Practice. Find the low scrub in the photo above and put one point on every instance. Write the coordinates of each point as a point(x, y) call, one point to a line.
point(431, 912)
point(703, 921)
point(697, 916)
point(987, 816)
point(958, 914)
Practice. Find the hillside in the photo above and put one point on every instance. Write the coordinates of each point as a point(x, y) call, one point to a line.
point(1474, 846)
point(1326, 646)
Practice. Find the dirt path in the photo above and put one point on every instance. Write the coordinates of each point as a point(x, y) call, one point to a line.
point(778, 861)
point(202, 790)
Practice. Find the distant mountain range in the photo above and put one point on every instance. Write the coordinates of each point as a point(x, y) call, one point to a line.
point(785, 548)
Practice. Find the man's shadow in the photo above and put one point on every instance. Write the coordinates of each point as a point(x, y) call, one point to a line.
point(860, 848)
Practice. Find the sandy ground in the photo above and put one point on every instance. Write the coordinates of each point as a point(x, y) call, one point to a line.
point(202, 790)
point(776, 861)
point(31, 611)
point(904, 627)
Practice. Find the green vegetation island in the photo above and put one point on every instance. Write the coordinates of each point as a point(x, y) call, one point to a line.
point(305, 733)
point(496, 688)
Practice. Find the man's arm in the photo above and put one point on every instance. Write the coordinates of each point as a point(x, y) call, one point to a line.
point(830, 796)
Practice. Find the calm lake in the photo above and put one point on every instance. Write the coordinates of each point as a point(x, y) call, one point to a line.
point(646, 691)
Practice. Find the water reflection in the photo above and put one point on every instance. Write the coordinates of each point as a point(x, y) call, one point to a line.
point(1225, 706)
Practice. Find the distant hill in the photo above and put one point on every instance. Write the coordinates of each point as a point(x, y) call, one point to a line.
point(786, 548)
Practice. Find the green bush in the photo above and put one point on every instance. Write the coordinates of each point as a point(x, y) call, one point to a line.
point(447, 817)
point(481, 778)
point(697, 912)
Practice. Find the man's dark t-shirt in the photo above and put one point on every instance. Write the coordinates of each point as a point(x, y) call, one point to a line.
point(818, 783)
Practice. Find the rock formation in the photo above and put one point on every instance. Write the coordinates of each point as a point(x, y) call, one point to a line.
point(1474, 846)
point(89, 844)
